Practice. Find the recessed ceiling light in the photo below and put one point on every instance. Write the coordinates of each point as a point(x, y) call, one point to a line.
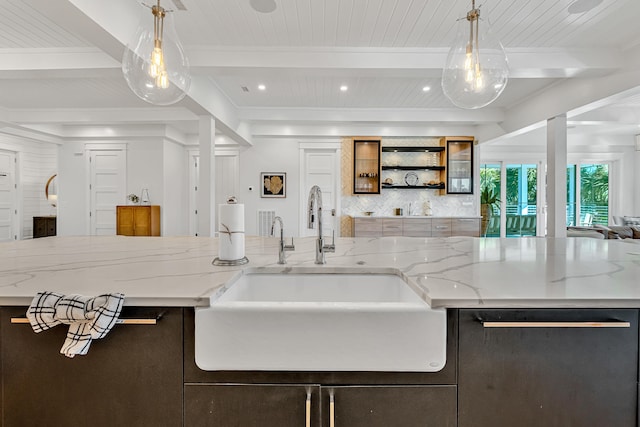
point(426, 88)
point(263, 6)
point(261, 87)
point(581, 6)
point(344, 88)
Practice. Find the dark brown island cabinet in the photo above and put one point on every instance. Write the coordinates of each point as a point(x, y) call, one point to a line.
point(145, 375)
point(578, 368)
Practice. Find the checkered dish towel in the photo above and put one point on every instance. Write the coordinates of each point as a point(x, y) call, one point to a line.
point(88, 318)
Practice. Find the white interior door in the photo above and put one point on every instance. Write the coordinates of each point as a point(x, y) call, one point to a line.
point(8, 202)
point(321, 169)
point(107, 169)
point(227, 170)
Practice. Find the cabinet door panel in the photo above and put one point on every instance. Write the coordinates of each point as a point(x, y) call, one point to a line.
point(367, 227)
point(124, 220)
point(132, 377)
point(385, 406)
point(142, 221)
point(392, 227)
point(547, 377)
point(465, 227)
point(416, 227)
point(441, 227)
point(245, 405)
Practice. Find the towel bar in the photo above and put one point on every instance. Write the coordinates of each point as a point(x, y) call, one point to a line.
point(118, 322)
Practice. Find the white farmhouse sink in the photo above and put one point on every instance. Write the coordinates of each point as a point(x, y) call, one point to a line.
point(320, 322)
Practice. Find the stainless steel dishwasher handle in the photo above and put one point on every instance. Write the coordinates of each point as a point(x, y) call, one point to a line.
point(610, 324)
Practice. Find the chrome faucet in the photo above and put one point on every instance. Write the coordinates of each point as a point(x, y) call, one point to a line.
point(315, 203)
point(282, 248)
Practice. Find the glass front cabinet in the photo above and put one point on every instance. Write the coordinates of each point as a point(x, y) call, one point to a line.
point(460, 166)
point(366, 166)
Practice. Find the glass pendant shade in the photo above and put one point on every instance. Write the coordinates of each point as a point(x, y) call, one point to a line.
point(154, 64)
point(476, 70)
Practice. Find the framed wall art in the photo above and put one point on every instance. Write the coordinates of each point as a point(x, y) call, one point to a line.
point(274, 184)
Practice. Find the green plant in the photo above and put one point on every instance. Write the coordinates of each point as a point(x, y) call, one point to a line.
point(489, 196)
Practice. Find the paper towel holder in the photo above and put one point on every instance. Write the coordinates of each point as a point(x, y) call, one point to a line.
point(230, 262)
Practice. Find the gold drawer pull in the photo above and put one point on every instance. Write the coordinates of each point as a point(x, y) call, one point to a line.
point(18, 320)
point(614, 324)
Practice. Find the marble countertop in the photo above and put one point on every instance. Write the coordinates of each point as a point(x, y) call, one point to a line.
point(417, 216)
point(446, 272)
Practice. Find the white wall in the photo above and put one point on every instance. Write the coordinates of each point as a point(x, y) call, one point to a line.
point(36, 163)
point(155, 164)
point(270, 155)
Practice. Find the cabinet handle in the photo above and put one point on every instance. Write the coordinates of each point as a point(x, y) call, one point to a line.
point(332, 411)
point(118, 321)
point(308, 411)
point(614, 324)
point(466, 220)
point(441, 227)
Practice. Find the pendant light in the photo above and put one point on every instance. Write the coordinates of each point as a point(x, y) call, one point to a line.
point(476, 70)
point(154, 64)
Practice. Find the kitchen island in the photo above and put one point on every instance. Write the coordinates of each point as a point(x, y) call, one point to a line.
point(145, 375)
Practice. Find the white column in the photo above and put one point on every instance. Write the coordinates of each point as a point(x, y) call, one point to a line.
point(636, 179)
point(557, 176)
point(206, 181)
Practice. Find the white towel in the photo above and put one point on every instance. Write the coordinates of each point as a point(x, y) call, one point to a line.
point(88, 318)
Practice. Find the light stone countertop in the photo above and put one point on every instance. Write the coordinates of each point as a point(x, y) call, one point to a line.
point(446, 272)
point(417, 216)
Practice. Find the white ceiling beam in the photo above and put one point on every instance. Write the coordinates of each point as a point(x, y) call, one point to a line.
point(385, 115)
point(101, 115)
point(400, 62)
point(47, 59)
point(329, 130)
point(575, 96)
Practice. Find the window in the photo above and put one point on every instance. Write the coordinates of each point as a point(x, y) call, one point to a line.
point(594, 194)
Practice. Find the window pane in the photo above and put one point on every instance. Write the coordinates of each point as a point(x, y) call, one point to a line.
point(571, 195)
point(594, 194)
point(490, 192)
point(522, 194)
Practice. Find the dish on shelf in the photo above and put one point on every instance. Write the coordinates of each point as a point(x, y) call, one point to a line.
point(388, 181)
point(411, 179)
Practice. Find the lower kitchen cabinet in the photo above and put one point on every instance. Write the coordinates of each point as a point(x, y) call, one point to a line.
point(384, 406)
point(132, 377)
point(554, 376)
point(251, 405)
point(416, 227)
point(283, 405)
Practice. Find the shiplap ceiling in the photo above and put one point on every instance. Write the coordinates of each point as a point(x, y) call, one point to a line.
point(385, 51)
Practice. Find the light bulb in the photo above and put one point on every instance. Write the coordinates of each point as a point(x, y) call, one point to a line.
point(157, 62)
point(154, 63)
point(476, 69)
